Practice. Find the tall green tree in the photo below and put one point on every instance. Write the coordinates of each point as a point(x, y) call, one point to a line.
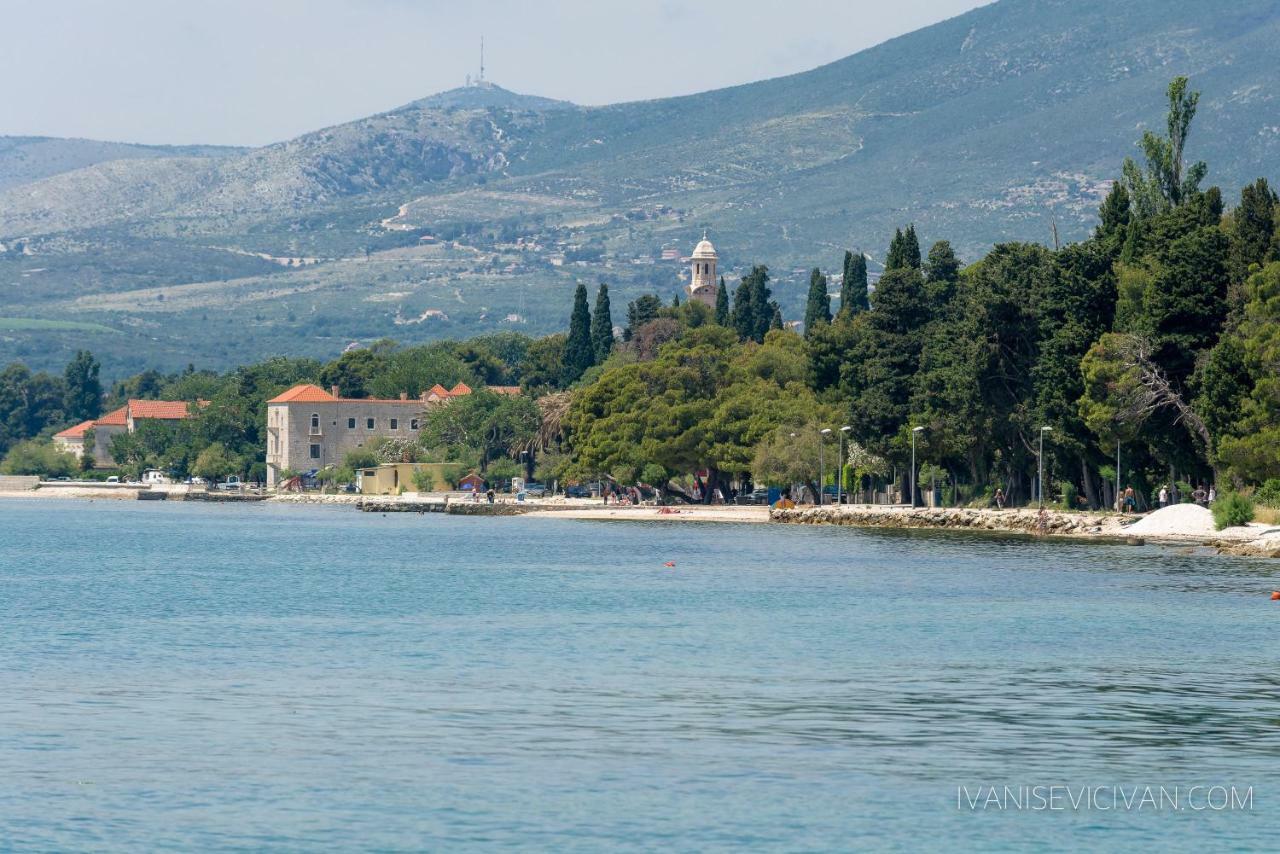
point(722, 304)
point(579, 353)
point(640, 311)
point(818, 307)
point(753, 311)
point(84, 389)
point(942, 272)
point(1167, 181)
point(602, 325)
point(853, 285)
point(1253, 227)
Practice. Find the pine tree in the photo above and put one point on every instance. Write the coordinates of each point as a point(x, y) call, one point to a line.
point(722, 304)
point(675, 301)
point(602, 325)
point(1114, 215)
point(818, 307)
point(639, 312)
point(775, 318)
point(83, 399)
point(578, 351)
point(1253, 225)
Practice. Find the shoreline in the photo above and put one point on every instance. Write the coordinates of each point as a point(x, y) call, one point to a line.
point(1254, 540)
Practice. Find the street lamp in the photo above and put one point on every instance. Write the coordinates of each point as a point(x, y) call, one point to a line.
point(1040, 476)
point(914, 432)
point(822, 441)
point(844, 431)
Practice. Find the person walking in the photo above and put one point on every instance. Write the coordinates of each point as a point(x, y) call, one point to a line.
point(1213, 493)
point(1164, 497)
point(1130, 500)
point(999, 498)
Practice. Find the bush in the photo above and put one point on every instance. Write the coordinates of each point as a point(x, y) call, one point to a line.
point(424, 480)
point(1068, 492)
point(1269, 493)
point(1232, 510)
point(39, 458)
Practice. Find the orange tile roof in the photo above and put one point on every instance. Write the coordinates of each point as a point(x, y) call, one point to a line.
point(305, 393)
point(440, 390)
point(76, 432)
point(169, 410)
point(115, 418)
point(460, 388)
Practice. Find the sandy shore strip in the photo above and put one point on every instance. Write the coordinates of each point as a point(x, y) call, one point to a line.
point(654, 514)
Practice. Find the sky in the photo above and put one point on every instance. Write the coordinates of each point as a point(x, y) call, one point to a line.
point(251, 72)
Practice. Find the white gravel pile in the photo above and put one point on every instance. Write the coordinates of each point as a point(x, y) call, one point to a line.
point(1176, 520)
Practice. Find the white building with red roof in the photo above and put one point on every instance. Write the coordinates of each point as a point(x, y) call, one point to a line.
point(126, 419)
point(310, 428)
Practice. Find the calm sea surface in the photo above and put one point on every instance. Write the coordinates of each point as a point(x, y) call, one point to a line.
point(201, 677)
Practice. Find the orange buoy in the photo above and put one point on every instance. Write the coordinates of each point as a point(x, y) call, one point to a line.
point(1275, 595)
point(672, 563)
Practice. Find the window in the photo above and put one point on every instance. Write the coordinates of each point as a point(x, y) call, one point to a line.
point(315, 452)
point(395, 423)
point(351, 424)
point(413, 424)
point(315, 422)
point(368, 423)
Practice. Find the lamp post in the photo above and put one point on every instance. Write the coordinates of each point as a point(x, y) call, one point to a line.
point(1040, 475)
point(914, 432)
point(822, 441)
point(844, 431)
point(793, 444)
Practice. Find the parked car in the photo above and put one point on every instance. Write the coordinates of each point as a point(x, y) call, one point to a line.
point(760, 495)
point(196, 481)
point(578, 490)
point(113, 479)
point(230, 483)
point(535, 490)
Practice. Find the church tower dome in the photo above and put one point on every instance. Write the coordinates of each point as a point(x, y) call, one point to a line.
point(702, 281)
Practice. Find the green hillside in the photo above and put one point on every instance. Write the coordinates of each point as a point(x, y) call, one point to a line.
point(478, 209)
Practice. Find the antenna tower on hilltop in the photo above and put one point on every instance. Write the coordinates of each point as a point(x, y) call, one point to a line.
point(481, 78)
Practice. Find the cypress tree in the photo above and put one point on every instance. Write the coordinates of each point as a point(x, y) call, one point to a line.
point(83, 399)
point(579, 354)
point(853, 287)
point(722, 304)
point(818, 308)
point(675, 301)
point(1253, 225)
point(941, 273)
point(775, 318)
point(602, 325)
point(911, 248)
point(752, 312)
point(893, 258)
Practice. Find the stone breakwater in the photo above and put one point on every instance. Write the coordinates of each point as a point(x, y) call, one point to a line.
point(1010, 521)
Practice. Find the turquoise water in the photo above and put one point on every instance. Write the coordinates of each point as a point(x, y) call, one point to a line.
point(204, 677)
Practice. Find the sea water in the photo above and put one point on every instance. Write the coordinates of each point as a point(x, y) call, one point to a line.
point(199, 677)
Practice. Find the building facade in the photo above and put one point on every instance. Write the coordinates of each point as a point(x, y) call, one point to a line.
point(100, 431)
point(703, 284)
point(310, 428)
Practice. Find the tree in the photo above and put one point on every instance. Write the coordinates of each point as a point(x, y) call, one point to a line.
point(31, 457)
point(579, 353)
point(640, 311)
point(818, 308)
point(1253, 225)
point(216, 462)
point(1252, 446)
point(1114, 218)
point(83, 389)
point(602, 325)
point(489, 424)
point(1167, 182)
point(853, 285)
point(353, 372)
point(753, 311)
point(942, 272)
point(28, 403)
point(722, 304)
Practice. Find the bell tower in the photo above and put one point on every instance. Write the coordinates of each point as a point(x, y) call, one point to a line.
point(702, 279)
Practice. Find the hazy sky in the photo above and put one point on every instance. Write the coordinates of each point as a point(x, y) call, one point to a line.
point(257, 71)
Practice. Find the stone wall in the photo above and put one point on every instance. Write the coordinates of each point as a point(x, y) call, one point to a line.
point(18, 483)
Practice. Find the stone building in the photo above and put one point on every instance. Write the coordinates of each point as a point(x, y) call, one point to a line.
point(702, 274)
point(126, 419)
point(310, 428)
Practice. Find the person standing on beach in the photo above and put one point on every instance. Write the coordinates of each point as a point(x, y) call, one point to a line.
point(1213, 493)
point(1164, 497)
point(1130, 501)
point(999, 498)
point(1200, 496)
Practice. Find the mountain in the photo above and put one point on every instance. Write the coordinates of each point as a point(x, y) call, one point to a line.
point(24, 159)
point(477, 209)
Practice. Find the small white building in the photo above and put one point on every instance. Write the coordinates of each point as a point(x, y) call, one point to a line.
point(702, 274)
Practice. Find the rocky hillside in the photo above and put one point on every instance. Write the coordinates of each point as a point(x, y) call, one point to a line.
point(476, 209)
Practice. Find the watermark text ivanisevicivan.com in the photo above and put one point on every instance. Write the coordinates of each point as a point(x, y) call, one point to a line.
point(1121, 798)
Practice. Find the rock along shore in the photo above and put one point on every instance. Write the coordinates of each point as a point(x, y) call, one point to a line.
point(1026, 521)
